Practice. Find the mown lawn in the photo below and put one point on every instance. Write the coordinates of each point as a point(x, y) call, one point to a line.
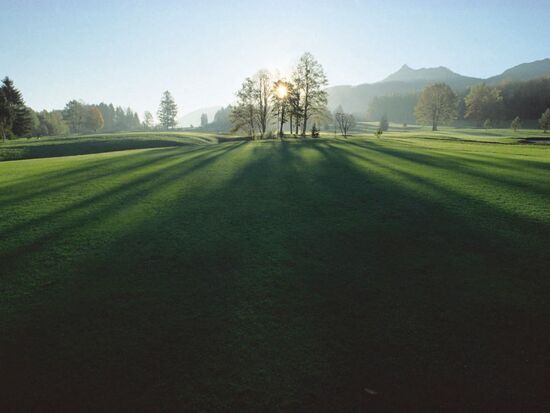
point(303, 275)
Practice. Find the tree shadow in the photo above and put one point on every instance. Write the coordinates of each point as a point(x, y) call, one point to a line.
point(276, 276)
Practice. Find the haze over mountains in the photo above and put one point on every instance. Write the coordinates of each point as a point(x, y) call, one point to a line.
point(355, 99)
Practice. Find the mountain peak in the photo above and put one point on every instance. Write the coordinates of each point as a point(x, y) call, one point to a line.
point(407, 74)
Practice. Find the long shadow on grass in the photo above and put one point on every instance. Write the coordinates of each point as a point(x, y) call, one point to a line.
point(52, 226)
point(293, 279)
point(445, 163)
point(28, 188)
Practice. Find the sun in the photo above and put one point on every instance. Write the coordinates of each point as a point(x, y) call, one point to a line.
point(282, 91)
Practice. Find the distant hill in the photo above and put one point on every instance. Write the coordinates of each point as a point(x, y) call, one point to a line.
point(355, 99)
point(439, 74)
point(194, 118)
point(525, 71)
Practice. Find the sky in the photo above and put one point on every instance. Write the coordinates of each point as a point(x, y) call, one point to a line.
point(129, 52)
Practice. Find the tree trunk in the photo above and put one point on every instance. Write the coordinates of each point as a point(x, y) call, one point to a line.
point(306, 107)
point(282, 120)
point(290, 126)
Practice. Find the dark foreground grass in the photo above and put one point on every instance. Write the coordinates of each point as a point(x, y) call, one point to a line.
point(323, 275)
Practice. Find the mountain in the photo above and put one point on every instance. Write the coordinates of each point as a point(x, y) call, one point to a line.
point(355, 99)
point(194, 118)
point(525, 71)
point(439, 74)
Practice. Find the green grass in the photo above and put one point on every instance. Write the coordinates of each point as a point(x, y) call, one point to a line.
point(278, 276)
point(87, 144)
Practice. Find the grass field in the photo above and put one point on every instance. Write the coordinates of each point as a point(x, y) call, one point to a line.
point(408, 273)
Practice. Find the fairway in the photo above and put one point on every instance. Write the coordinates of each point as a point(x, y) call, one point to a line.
point(361, 274)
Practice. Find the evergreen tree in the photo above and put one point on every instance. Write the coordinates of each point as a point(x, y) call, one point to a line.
point(11, 102)
point(167, 111)
point(23, 123)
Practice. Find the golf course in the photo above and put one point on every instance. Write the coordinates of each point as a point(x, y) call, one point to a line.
point(164, 271)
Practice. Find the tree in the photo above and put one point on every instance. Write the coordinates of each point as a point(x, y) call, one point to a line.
point(483, 102)
point(11, 104)
point(148, 121)
point(243, 113)
point(281, 92)
point(516, 124)
point(93, 119)
point(310, 79)
point(545, 120)
point(487, 124)
point(384, 124)
point(74, 115)
point(168, 111)
point(345, 121)
point(262, 94)
point(296, 111)
point(204, 120)
point(51, 124)
point(254, 110)
point(23, 123)
point(436, 105)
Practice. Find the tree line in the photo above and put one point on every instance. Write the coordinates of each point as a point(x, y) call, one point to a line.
point(481, 105)
point(18, 120)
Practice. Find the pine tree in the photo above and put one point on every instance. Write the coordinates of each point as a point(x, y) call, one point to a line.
point(167, 111)
point(11, 104)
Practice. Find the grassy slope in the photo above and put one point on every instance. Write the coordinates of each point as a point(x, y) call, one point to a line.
point(87, 144)
point(277, 276)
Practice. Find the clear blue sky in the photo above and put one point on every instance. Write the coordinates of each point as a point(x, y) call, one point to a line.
point(128, 52)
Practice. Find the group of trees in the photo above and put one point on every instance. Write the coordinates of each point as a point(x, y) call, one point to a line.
point(438, 104)
point(482, 105)
point(18, 120)
point(265, 101)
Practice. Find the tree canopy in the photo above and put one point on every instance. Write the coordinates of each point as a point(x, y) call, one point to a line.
point(436, 105)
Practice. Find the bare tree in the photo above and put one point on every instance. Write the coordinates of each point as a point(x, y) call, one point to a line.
point(262, 94)
point(243, 113)
point(310, 79)
point(345, 122)
point(253, 110)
